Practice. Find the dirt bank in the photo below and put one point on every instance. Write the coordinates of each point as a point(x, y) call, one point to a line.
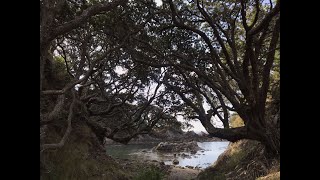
point(177, 173)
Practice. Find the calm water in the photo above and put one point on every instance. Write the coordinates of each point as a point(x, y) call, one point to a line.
point(202, 159)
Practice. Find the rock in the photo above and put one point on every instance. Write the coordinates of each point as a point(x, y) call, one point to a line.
point(162, 163)
point(202, 150)
point(183, 155)
point(107, 141)
point(165, 146)
point(175, 161)
point(154, 161)
point(144, 151)
point(178, 147)
point(190, 167)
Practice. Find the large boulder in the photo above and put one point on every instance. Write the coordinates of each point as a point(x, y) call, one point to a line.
point(177, 147)
point(175, 161)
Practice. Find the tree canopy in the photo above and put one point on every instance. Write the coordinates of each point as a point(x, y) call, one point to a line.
point(124, 66)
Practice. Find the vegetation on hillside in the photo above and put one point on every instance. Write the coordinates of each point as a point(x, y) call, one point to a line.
point(80, 158)
point(244, 159)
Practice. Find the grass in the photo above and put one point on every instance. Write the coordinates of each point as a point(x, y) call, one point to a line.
point(228, 161)
point(218, 172)
point(272, 176)
point(151, 173)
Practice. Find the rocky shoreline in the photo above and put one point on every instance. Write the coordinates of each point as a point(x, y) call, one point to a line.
point(170, 171)
point(179, 144)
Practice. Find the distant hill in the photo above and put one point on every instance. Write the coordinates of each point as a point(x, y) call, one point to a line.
point(170, 135)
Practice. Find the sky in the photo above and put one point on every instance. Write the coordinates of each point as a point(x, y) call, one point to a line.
point(197, 126)
point(158, 2)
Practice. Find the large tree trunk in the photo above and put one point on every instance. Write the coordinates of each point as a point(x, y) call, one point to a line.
point(255, 128)
point(258, 129)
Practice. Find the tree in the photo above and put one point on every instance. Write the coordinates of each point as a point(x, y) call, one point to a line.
point(88, 37)
point(203, 58)
point(219, 54)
